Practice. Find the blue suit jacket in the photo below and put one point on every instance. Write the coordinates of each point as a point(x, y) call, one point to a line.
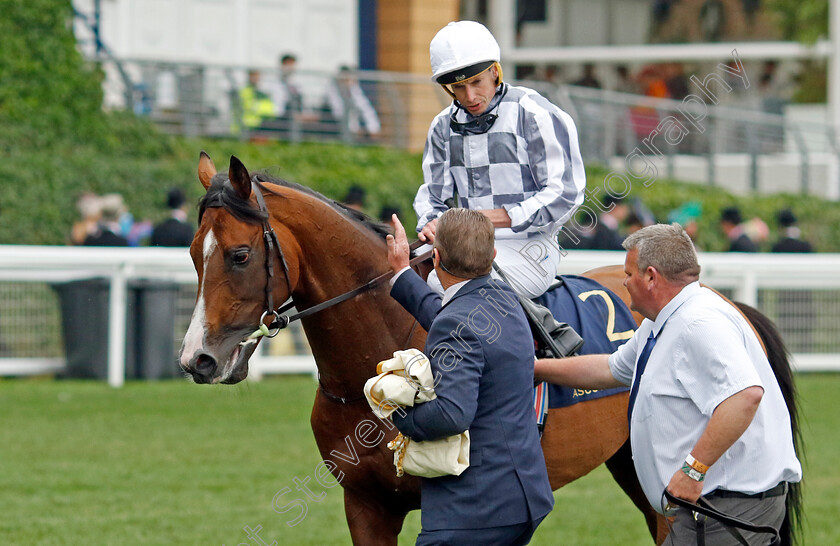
point(482, 355)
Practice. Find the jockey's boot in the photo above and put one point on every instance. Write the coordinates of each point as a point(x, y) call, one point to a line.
point(552, 339)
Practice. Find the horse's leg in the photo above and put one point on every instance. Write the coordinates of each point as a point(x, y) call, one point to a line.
point(621, 467)
point(371, 522)
point(571, 448)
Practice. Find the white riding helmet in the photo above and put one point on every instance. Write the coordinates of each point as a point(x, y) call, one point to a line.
point(461, 50)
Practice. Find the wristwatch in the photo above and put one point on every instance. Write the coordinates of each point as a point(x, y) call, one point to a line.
point(693, 474)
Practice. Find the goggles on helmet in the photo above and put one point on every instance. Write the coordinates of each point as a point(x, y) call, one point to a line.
point(477, 126)
point(464, 74)
point(475, 70)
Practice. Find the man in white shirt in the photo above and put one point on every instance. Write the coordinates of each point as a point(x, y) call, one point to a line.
point(706, 414)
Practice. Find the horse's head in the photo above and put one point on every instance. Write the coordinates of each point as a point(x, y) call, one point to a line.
point(234, 291)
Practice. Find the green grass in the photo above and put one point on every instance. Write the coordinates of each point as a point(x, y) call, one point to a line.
point(176, 463)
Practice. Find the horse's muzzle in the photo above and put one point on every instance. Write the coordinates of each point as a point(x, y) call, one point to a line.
point(202, 368)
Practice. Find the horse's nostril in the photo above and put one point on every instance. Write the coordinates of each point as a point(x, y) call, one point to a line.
point(203, 366)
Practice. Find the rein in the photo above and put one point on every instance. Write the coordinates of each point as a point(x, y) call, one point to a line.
point(282, 320)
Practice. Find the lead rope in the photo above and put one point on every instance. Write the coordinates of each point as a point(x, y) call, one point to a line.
point(730, 523)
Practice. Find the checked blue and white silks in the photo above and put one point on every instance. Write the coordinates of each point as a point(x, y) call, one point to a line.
point(528, 162)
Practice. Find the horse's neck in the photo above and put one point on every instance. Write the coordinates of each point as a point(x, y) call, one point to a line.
point(335, 256)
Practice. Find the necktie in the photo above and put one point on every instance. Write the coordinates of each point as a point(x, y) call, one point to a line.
point(640, 369)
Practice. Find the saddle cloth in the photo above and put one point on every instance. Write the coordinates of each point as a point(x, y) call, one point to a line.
point(602, 320)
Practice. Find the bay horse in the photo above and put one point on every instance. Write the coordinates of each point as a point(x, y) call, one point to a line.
point(261, 240)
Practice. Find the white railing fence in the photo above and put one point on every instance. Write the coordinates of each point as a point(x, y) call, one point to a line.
point(801, 293)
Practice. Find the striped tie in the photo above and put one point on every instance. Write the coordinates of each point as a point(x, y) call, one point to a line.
point(640, 369)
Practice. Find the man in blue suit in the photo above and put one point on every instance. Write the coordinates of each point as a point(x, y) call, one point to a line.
point(482, 356)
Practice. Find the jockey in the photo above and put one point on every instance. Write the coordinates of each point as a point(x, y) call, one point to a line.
point(503, 150)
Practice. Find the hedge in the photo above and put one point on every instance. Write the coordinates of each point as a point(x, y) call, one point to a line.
point(42, 187)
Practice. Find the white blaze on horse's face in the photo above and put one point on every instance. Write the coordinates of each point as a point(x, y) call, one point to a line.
point(194, 339)
point(218, 342)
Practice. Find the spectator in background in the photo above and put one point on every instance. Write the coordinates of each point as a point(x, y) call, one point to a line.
point(677, 84)
point(790, 240)
point(640, 210)
point(355, 198)
point(588, 78)
point(386, 214)
point(255, 105)
point(652, 81)
point(676, 81)
point(606, 234)
point(796, 317)
point(634, 223)
point(287, 97)
point(626, 139)
point(757, 230)
point(731, 224)
point(554, 75)
point(89, 206)
point(286, 94)
point(108, 231)
point(775, 95)
point(732, 76)
point(345, 101)
point(624, 81)
point(686, 216)
point(136, 232)
point(174, 231)
point(645, 119)
point(774, 91)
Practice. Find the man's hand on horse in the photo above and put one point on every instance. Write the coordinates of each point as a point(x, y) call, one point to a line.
point(427, 234)
point(398, 251)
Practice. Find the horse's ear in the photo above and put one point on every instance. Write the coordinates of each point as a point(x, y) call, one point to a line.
point(206, 169)
point(239, 178)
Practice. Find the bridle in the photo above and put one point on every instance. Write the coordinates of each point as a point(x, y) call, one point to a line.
point(280, 319)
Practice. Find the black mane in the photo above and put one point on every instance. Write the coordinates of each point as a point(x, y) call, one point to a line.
point(222, 194)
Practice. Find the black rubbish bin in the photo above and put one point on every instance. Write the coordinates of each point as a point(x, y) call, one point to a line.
point(84, 324)
point(150, 328)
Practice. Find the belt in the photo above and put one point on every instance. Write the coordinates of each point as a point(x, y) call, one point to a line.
point(777, 491)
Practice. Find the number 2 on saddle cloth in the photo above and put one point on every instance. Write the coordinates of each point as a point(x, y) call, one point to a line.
point(601, 318)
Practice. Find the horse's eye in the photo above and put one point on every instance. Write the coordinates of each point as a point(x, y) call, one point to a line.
point(241, 257)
